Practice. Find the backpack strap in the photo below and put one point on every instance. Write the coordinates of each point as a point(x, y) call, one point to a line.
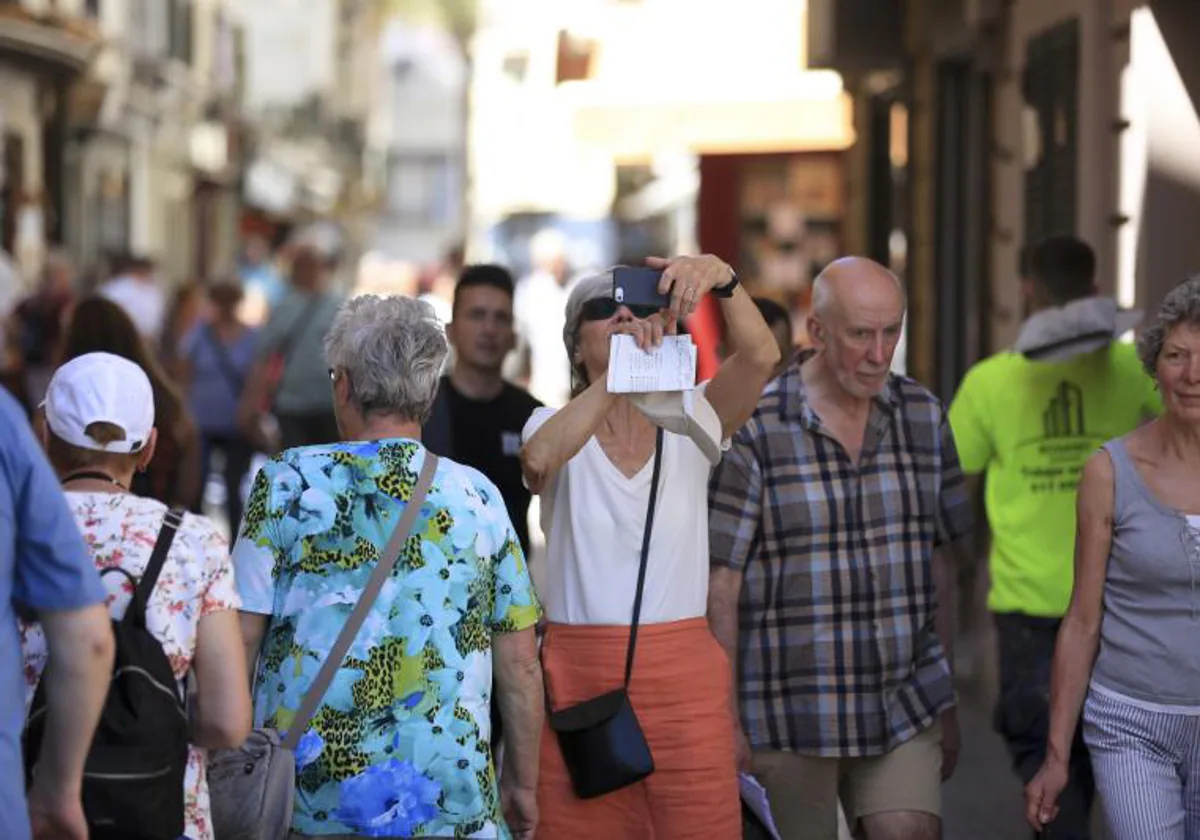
point(136, 612)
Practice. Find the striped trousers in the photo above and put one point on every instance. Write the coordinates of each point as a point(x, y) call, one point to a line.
point(1147, 767)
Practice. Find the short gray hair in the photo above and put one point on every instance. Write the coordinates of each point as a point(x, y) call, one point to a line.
point(585, 289)
point(392, 350)
point(1180, 306)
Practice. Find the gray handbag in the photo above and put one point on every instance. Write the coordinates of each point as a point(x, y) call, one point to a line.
point(251, 788)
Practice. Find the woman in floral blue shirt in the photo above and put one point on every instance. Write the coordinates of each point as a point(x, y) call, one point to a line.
point(400, 746)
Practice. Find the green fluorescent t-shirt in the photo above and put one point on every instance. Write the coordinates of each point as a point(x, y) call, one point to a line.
point(1030, 426)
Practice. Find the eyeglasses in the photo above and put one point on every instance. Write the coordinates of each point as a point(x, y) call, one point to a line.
point(601, 309)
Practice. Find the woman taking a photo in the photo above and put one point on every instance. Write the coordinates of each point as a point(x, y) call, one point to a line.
point(1127, 652)
point(591, 462)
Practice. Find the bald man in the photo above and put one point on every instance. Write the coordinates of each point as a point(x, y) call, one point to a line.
point(830, 520)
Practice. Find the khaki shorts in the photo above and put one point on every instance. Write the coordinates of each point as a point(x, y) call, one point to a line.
point(804, 790)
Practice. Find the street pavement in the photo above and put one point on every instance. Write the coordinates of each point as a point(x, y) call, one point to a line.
point(983, 801)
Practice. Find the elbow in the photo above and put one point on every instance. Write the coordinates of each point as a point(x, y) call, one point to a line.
point(762, 356)
point(1081, 630)
point(520, 672)
point(768, 356)
point(534, 466)
point(104, 648)
point(225, 731)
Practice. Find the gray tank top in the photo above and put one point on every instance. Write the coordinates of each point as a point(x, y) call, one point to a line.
point(1150, 634)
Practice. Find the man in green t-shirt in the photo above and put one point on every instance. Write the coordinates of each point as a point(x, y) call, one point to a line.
point(1028, 418)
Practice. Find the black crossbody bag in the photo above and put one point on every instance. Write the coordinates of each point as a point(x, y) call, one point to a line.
point(601, 740)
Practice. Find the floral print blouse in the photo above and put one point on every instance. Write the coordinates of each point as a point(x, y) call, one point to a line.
point(401, 744)
point(120, 530)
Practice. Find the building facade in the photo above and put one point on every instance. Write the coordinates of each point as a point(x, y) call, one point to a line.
point(1016, 120)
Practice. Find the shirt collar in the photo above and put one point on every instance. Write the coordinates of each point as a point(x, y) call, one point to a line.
point(794, 403)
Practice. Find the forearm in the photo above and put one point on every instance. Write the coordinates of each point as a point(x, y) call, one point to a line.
point(723, 623)
point(522, 711)
point(1074, 655)
point(748, 334)
point(563, 435)
point(77, 677)
point(254, 628)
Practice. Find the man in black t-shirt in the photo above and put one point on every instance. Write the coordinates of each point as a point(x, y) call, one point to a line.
point(477, 417)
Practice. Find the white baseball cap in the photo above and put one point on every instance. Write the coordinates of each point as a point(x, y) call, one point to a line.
point(100, 388)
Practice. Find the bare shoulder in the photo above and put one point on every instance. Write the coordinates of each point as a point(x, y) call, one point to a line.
point(1096, 493)
point(1098, 469)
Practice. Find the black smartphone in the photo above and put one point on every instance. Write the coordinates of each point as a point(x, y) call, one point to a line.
point(638, 288)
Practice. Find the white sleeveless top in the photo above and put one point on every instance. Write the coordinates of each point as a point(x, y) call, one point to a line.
point(593, 518)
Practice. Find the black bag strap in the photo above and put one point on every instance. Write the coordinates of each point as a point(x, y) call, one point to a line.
point(641, 582)
point(383, 569)
point(135, 613)
point(235, 380)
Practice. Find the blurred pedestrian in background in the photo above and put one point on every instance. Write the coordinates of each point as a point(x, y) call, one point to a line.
point(136, 288)
point(291, 360)
point(215, 360)
point(40, 323)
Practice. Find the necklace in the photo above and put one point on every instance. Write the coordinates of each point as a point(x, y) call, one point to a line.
point(95, 475)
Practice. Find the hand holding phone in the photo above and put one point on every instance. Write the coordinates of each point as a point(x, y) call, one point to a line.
point(688, 279)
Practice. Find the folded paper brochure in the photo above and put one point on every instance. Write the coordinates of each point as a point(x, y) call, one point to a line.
point(668, 367)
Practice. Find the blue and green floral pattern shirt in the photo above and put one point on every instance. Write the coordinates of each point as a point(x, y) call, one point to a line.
point(400, 746)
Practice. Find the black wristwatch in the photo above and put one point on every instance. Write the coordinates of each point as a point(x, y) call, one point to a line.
point(727, 290)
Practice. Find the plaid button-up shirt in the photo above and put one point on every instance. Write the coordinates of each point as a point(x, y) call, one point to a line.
point(838, 654)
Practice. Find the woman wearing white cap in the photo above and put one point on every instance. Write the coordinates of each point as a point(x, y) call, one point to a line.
point(99, 430)
point(592, 463)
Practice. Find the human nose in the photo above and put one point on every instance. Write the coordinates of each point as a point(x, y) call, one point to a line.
point(1192, 373)
point(877, 353)
point(623, 315)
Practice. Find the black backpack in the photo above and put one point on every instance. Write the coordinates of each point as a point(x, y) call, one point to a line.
point(133, 776)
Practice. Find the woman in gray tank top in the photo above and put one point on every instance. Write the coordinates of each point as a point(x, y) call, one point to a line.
point(1130, 643)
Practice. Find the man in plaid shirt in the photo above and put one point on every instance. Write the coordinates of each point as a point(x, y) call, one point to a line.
point(831, 517)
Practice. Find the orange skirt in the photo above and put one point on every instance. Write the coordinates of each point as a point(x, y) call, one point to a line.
point(680, 693)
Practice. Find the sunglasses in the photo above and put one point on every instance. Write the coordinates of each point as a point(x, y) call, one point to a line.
point(601, 309)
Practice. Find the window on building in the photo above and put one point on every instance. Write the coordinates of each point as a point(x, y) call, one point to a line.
point(424, 188)
point(575, 56)
point(1051, 127)
point(516, 66)
point(180, 30)
point(149, 26)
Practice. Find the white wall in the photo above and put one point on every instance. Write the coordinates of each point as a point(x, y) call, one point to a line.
point(290, 50)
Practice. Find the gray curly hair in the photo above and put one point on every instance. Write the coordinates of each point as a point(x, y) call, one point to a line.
point(392, 350)
point(1180, 306)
